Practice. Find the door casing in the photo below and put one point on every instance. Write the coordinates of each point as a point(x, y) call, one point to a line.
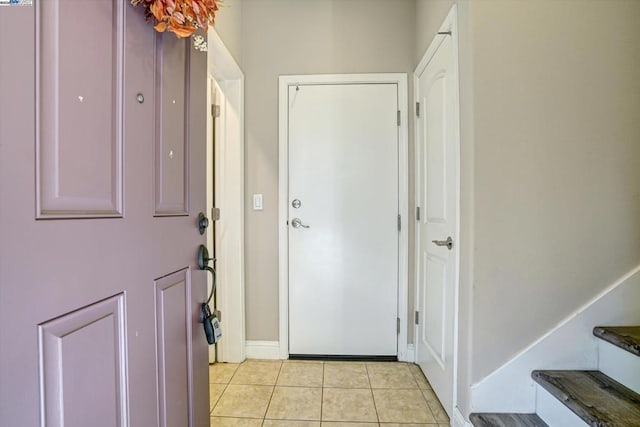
point(450, 24)
point(229, 181)
point(283, 188)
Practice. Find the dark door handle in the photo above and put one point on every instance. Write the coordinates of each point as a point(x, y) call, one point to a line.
point(203, 260)
point(209, 320)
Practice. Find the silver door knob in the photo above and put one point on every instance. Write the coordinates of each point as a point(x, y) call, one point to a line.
point(297, 223)
point(448, 243)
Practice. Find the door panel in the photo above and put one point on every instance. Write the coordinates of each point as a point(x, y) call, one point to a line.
point(343, 269)
point(173, 308)
point(79, 294)
point(72, 389)
point(77, 118)
point(173, 57)
point(435, 310)
point(437, 151)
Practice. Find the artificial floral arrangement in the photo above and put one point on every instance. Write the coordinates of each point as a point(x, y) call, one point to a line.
point(181, 17)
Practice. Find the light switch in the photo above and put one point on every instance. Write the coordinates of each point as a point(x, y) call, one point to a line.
point(257, 202)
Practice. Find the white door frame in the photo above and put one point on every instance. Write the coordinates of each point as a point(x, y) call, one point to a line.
point(283, 194)
point(450, 24)
point(229, 181)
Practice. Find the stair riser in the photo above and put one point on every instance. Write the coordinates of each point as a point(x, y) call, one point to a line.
point(619, 364)
point(553, 412)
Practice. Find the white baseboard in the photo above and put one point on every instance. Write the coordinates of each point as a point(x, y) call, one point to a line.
point(458, 419)
point(411, 354)
point(263, 350)
point(569, 345)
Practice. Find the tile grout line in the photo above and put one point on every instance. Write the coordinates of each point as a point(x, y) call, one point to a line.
point(322, 395)
point(429, 406)
point(235, 372)
point(272, 392)
point(414, 375)
point(430, 389)
point(373, 397)
point(226, 385)
point(220, 397)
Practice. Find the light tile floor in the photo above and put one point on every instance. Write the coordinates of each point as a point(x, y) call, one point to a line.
point(329, 394)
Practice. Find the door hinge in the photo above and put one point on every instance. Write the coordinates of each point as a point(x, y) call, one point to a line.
point(417, 317)
point(398, 117)
point(215, 110)
point(417, 109)
point(417, 213)
point(398, 325)
point(215, 214)
point(399, 222)
point(218, 315)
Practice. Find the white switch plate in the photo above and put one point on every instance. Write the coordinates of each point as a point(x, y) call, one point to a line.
point(257, 202)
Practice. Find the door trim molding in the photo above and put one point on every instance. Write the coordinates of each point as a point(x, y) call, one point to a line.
point(450, 24)
point(403, 194)
point(266, 350)
point(229, 179)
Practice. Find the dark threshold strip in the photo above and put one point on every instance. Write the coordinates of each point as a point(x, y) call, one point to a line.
point(350, 358)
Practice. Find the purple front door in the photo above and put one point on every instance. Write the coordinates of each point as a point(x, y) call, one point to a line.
point(102, 140)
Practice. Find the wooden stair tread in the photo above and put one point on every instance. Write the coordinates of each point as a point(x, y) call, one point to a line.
point(506, 420)
point(625, 337)
point(593, 396)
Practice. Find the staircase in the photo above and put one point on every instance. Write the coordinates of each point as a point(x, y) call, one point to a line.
point(607, 397)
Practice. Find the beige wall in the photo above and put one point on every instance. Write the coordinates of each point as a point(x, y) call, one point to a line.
point(550, 100)
point(228, 25)
point(557, 163)
point(301, 37)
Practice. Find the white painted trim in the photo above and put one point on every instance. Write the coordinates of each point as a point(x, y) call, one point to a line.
point(403, 194)
point(209, 180)
point(553, 412)
point(263, 350)
point(411, 353)
point(619, 364)
point(568, 345)
point(283, 244)
point(283, 212)
point(458, 419)
point(229, 171)
point(450, 24)
point(403, 207)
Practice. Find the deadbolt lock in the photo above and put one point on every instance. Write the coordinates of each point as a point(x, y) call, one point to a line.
point(203, 222)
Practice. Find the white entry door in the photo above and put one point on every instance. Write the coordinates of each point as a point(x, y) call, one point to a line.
point(343, 219)
point(437, 230)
